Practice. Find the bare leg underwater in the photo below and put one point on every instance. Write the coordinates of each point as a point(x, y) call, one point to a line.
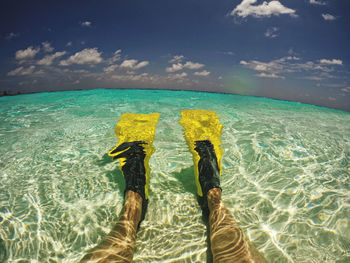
point(120, 243)
point(228, 243)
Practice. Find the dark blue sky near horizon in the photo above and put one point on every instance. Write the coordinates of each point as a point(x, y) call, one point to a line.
point(289, 50)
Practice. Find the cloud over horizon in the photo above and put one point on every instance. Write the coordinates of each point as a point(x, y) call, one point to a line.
point(271, 32)
point(328, 17)
point(22, 71)
point(48, 60)
point(203, 73)
point(316, 2)
point(176, 59)
point(331, 61)
point(47, 47)
point(133, 64)
point(178, 65)
point(89, 56)
point(266, 9)
point(85, 24)
point(278, 68)
point(11, 35)
point(27, 53)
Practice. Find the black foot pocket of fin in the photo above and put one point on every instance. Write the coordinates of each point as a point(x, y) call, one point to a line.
point(208, 168)
point(128, 150)
point(133, 165)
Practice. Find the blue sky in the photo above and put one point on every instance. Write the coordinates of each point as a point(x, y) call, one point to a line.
point(293, 50)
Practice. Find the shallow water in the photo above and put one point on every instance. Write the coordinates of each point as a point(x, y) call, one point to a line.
point(285, 176)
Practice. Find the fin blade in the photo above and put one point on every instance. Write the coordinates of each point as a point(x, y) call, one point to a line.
point(137, 127)
point(200, 125)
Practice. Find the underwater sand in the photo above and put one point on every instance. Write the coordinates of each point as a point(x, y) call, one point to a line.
point(285, 176)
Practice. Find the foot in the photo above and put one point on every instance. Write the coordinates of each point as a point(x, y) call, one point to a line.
point(208, 173)
point(133, 168)
point(208, 168)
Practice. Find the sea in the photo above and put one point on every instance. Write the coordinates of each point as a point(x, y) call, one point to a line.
point(285, 176)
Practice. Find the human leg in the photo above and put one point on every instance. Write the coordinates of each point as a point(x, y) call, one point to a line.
point(228, 242)
point(119, 245)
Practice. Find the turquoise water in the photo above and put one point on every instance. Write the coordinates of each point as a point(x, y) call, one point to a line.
point(285, 176)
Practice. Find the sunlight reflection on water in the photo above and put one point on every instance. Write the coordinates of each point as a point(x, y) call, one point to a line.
point(285, 176)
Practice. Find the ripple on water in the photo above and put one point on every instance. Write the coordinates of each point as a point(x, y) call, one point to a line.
point(285, 177)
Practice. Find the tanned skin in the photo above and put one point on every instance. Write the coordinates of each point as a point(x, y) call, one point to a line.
point(119, 245)
point(228, 242)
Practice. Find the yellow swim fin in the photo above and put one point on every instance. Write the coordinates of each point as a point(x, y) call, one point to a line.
point(202, 132)
point(134, 149)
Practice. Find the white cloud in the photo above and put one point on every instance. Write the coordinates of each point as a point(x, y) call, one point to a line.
point(229, 53)
point(328, 17)
point(116, 56)
point(179, 66)
point(110, 68)
point(311, 66)
point(178, 76)
point(85, 24)
point(12, 36)
point(271, 32)
point(316, 2)
point(332, 98)
point(269, 75)
point(48, 60)
point(346, 89)
point(331, 62)
point(290, 64)
point(28, 82)
point(174, 68)
point(140, 77)
point(176, 59)
point(69, 44)
point(141, 64)
point(263, 66)
point(47, 46)
point(315, 78)
point(130, 63)
point(193, 65)
point(266, 9)
point(21, 71)
point(182, 75)
point(26, 54)
point(88, 56)
point(292, 52)
point(203, 73)
point(133, 64)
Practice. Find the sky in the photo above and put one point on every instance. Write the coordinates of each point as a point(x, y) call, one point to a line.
point(295, 50)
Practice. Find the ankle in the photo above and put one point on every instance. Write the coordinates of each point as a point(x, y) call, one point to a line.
point(132, 206)
point(133, 199)
point(214, 194)
point(214, 198)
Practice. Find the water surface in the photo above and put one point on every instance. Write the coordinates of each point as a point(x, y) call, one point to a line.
point(285, 176)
